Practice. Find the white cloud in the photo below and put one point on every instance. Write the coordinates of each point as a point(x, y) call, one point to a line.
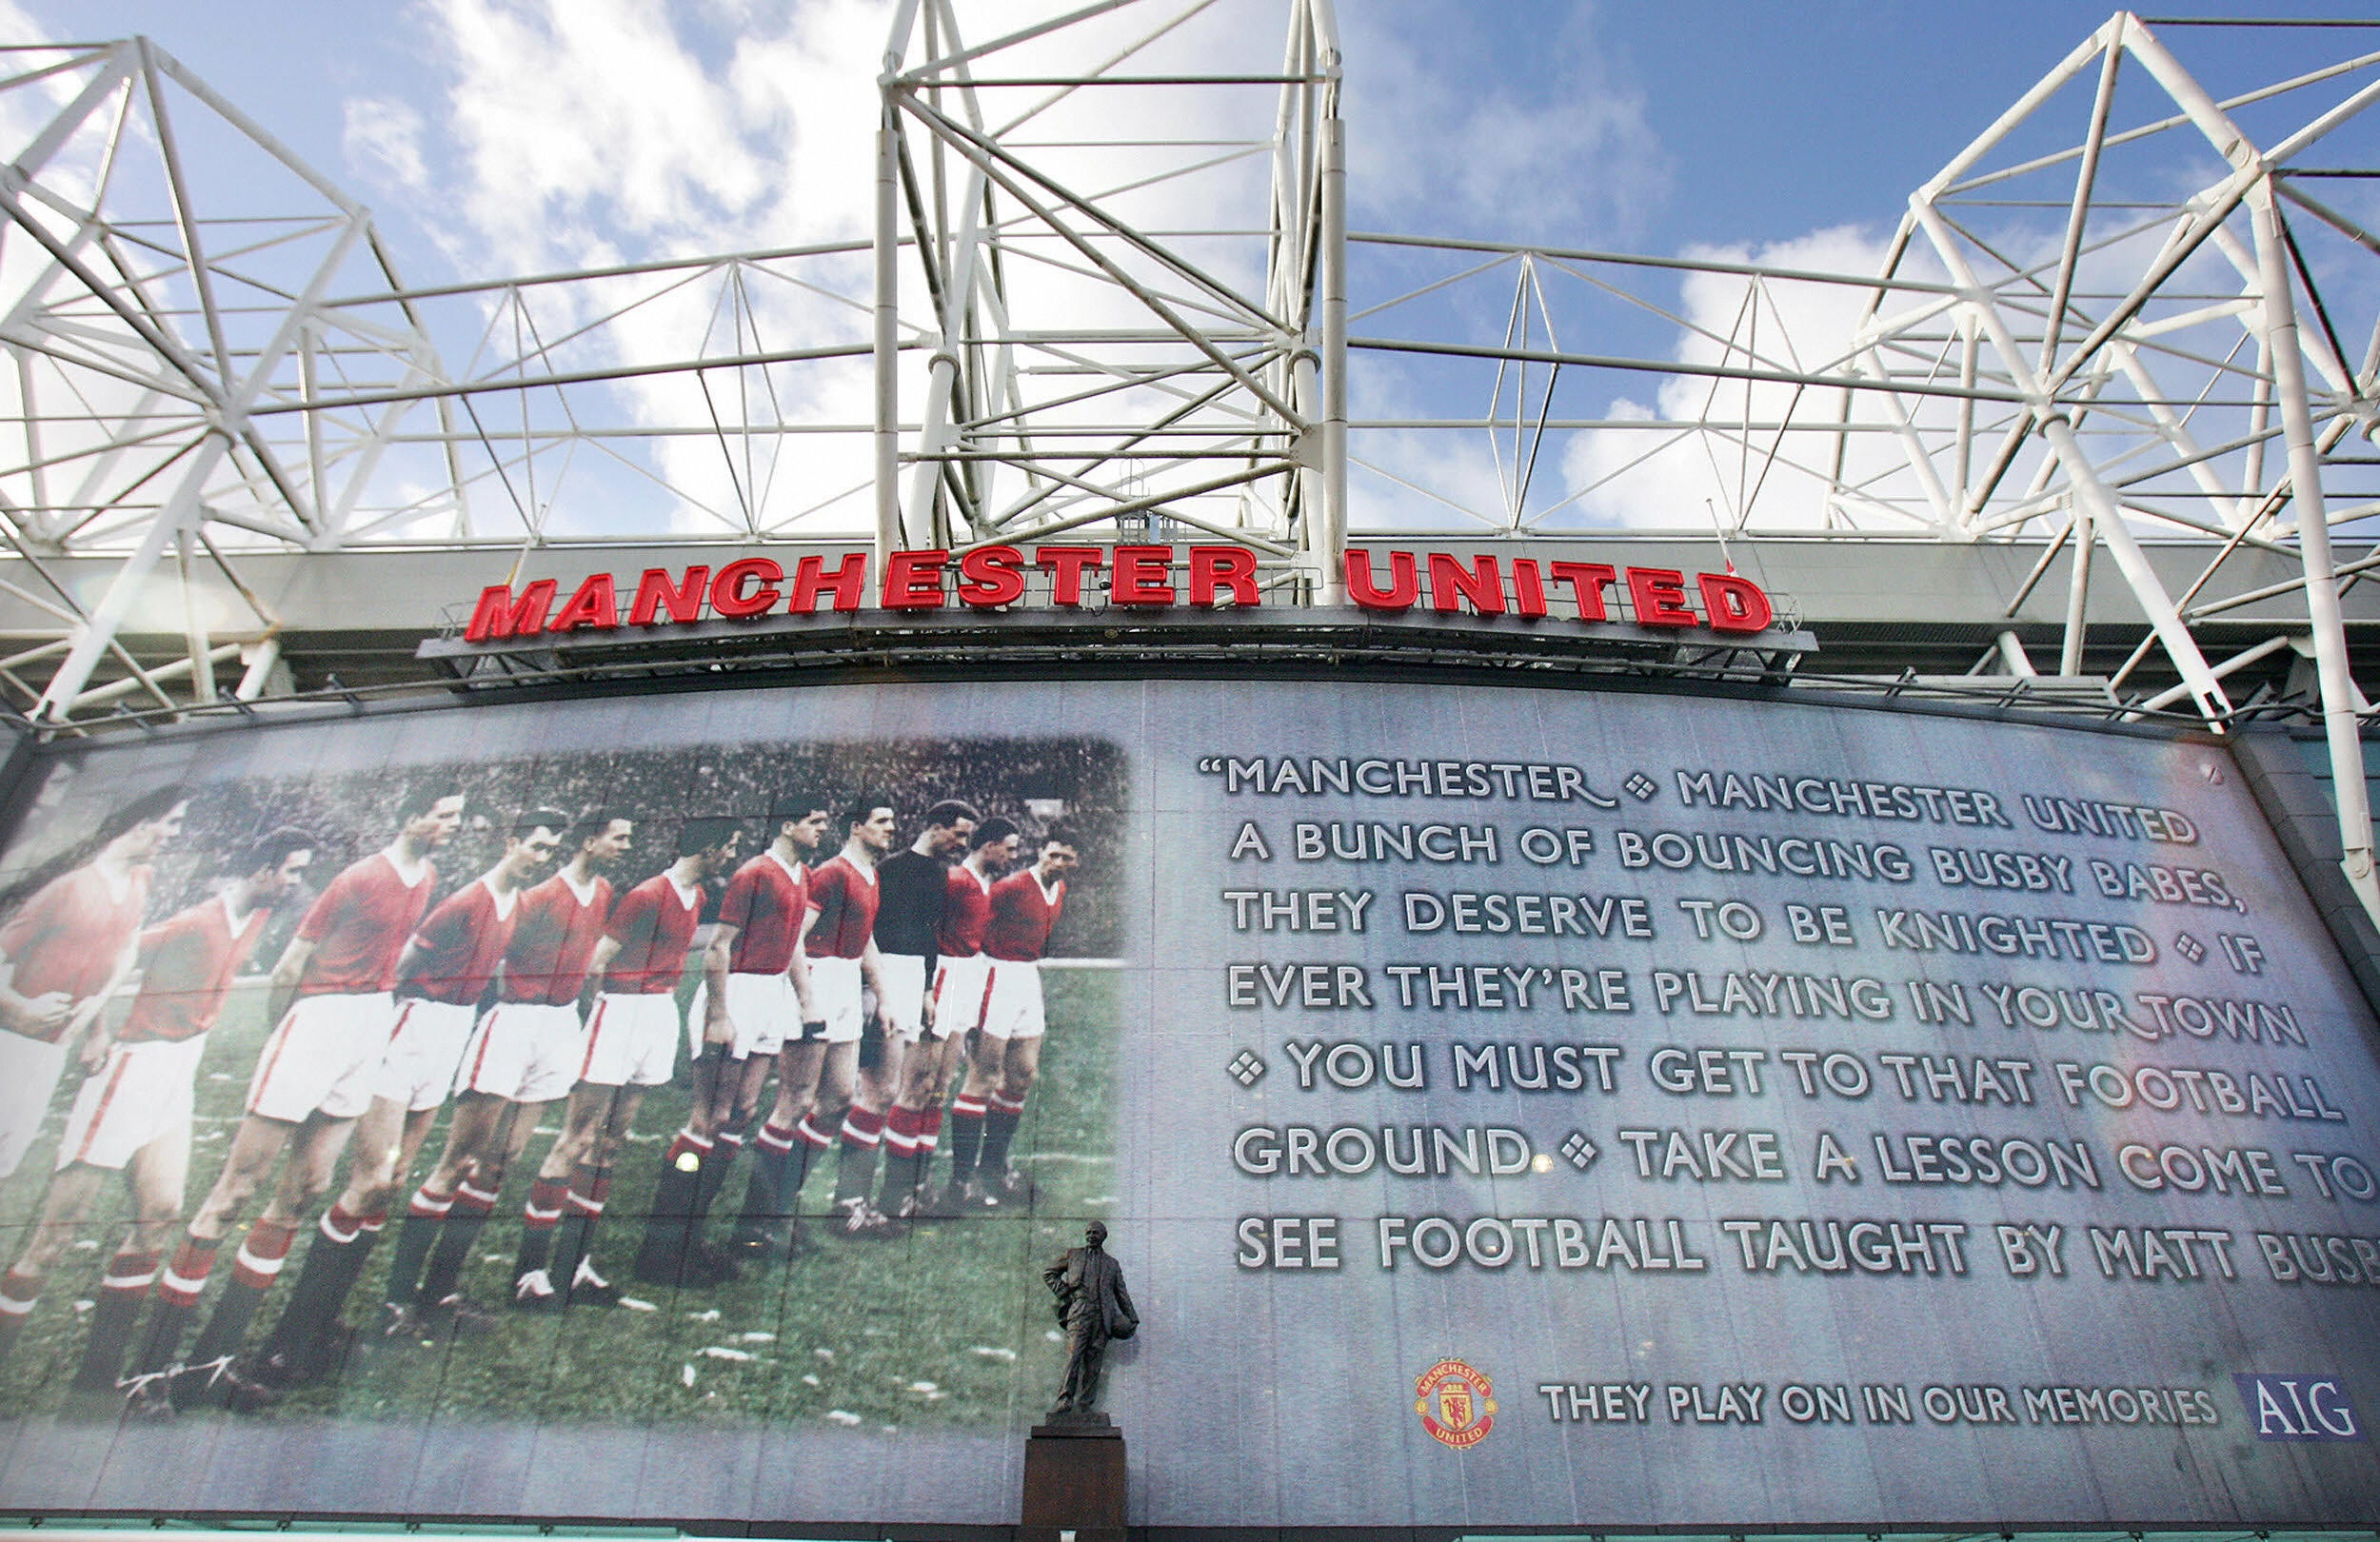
point(597, 132)
point(583, 132)
point(560, 112)
point(1563, 148)
point(385, 135)
point(26, 109)
point(1657, 479)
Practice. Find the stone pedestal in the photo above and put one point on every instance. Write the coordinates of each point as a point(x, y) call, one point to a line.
point(1073, 1482)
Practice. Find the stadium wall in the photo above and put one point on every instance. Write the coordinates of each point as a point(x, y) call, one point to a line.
point(1516, 1109)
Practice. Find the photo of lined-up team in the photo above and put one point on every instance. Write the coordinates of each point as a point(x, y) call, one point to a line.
point(340, 1068)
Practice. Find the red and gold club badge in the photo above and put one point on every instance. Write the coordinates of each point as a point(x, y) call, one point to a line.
point(1454, 1403)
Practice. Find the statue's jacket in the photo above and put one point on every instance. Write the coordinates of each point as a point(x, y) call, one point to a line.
point(1086, 1281)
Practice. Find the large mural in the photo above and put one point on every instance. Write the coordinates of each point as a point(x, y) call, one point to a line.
point(1513, 1108)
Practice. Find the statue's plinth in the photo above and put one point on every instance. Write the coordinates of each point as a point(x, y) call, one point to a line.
point(1073, 1481)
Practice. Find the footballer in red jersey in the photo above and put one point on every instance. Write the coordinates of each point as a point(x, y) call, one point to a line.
point(1025, 908)
point(954, 1009)
point(64, 951)
point(632, 1032)
point(531, 1043)
point(449, 965)
point(910, 887)
point(816, 1072)
point(330, 998)
point(755, 995)
point(133, 1116)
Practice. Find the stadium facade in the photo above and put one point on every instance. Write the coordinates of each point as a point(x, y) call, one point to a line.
point(604, 866)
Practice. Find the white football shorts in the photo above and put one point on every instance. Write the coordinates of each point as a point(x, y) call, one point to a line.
point(762, 1009)
point(324, 1057)
point(1012, 1007)
point(525, 1051)
point(835, 987)
point(960, 988)
point(144, 1092)
point(902, 977)
point(29, 1073)
point(631, 1040)
point(423, 1049)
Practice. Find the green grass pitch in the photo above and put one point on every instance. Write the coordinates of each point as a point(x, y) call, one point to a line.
point(947, 1325)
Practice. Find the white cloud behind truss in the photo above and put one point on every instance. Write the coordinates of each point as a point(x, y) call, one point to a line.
point(573, 133)
point(568, 133)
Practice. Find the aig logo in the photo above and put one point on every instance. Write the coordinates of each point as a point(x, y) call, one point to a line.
point(2300, 1408)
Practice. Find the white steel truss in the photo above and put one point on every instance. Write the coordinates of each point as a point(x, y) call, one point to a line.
point(2136, 307)
point(1208, 393)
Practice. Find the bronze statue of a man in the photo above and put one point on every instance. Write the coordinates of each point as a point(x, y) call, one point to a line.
point(1092, 1307)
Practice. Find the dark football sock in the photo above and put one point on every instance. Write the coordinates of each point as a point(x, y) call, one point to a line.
point(672, 1213)
point(574, 1240)
point(967, 1137)
point(17, 1294)
point(766, 1207)
point(539, 1220)
point(178, 1289)
point(809, 1141)
point(904, 1157)
point(335, 1261)
point(424, 1217)
point(456, 1238)
point(999, 1128)
point(125, 1285)
point(115, 1321)
point(253, 1270)
point(854, 1175)
point(717, 1164)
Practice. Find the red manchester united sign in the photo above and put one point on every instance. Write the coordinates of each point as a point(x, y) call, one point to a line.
point(1076, 577)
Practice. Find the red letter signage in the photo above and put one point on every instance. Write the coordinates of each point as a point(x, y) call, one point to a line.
point(654, 593)
point(1735, 604)
point(990, 576)
point(847, 583)
point(1450, 584)
point(912, 580)
point(1222, 567)
point(1528, 589)
point(993, 577)
point(594, 607)
point(729, 598)
point(496, 615)
point(1657, 595)
point(1067, 566)
point(1404, 581)
point(1142, 576)
point(1586, 581)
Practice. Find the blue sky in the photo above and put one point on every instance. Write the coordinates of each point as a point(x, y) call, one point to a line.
point(1757, 122)
point(502, 137)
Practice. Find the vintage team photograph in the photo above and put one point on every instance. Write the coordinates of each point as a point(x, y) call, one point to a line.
point(744, 1080)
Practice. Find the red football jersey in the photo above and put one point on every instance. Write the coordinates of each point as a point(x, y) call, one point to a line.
point(359, 926)
point(458, 948)
point(765, 903)
point(192, 959)
point(844, 898)
point(966, 912)
point(70, 935)
point(1023, 914)
point(654, 925)
point(553, 940)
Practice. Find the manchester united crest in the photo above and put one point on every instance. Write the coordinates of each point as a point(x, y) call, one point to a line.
point(1455, 1405)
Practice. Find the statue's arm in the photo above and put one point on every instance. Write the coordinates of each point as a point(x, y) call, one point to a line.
point(1055, 1278)
point(1123, 1300)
